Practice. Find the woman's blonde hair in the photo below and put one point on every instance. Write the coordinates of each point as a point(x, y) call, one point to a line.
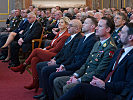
point(66, 19)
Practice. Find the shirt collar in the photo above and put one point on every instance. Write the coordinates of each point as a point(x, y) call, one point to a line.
point(127, 49)
point(32, 24)
point(102, 42)
point(72, 36)
point(87, 35)
point(62, 32)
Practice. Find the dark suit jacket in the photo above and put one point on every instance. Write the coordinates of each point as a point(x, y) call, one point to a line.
point(123, 75)
point(48, 29)
point(68, 49)
point(14, 22)
point(22, 26)
point(82, 52)
point(116, 37)
point(31, 33)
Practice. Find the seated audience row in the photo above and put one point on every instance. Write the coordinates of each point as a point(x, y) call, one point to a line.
point(89, 57)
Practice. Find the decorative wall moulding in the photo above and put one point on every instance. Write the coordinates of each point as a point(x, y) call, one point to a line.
point(61, 3)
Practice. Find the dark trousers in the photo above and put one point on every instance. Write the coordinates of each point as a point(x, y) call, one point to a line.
point(130, 96)
point(3, 39)
point(15, 52)
point(48, 74)
point(39, 67)
point(85, 92)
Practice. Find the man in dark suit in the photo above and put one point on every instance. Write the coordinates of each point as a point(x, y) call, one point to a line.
point(33, 31)
point(67, 50)
point(116, 80)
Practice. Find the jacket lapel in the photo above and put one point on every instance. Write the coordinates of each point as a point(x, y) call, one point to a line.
point(127, 55)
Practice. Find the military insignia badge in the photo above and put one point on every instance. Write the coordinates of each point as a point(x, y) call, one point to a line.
point(101, 51)
point(116, 37)
point(111, 43)
point(96, 59)
point(111, 53)
point(104, 45)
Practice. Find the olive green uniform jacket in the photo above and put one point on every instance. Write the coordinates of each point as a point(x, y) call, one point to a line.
point(98, 60)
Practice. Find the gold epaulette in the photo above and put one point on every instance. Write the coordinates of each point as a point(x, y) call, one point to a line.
point(111, 43)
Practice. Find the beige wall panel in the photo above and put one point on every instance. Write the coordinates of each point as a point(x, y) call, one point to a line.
point(4, 11)
point(4, 6)
point(111, 3)
point(62, 3)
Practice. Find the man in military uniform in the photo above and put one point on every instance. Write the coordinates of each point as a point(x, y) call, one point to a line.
point(52, 24)
point(96, 63)
point(14, 22)
point(119, 20)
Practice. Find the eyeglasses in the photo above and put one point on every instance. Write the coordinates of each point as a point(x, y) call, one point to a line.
point(70, 25)
point(29, 17)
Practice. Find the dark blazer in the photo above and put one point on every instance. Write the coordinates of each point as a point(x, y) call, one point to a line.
point(31, 33)
point(14, 22)
point(22, 26)
point(68, 49)
point(116, 37)
point(82, 52)
point(48, 29)
point(122, 76)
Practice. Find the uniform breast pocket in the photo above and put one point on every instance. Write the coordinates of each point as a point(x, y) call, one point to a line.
point(98, 57)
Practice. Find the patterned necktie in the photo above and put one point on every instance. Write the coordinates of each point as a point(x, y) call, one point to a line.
point(84, 38)
point(68, 40)
point(116, 63)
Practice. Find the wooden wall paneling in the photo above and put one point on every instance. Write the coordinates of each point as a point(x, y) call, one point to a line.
point(89, 3)
point(28, 3)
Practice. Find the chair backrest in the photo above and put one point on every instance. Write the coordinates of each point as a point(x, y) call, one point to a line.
point(37, 40)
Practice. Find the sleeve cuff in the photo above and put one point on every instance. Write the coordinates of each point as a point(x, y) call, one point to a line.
point(75, 74)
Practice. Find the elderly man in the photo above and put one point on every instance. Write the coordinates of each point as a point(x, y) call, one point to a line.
point(46, 68)
point(128, 9)
point(98, 15)
point(117, 79)
point(96, 63)
point(33, 31)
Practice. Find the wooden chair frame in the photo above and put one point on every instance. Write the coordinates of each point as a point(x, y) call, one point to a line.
point(33, 44)
point(37, 40)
